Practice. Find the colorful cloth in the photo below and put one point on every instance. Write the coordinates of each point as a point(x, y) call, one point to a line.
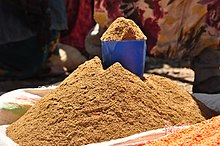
point(175, 28)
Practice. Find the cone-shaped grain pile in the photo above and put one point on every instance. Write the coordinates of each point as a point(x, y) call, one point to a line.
point(94, 105)
point(123, 29)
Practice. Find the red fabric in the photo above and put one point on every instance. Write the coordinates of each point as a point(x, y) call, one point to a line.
point(150, 25)
point(80, 21)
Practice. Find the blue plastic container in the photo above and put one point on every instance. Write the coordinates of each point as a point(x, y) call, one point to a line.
point(131, 54)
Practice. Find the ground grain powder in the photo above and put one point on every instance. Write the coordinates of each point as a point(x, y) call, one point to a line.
point(123, 29)
point(94, 105)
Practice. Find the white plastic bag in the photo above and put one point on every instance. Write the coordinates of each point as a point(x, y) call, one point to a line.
point(134, 140)
point(4, 140)
point(15, 103)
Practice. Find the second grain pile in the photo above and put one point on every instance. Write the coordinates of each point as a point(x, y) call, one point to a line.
point(123, 29)
point(94, 105)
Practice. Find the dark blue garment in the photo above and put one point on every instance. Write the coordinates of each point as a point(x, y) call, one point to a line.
point(58, 15)
point(21, 59)
point(22, 53)
point(12, 24)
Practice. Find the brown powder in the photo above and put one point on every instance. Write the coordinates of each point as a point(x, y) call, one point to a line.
point(94, 105)
point(123, 29)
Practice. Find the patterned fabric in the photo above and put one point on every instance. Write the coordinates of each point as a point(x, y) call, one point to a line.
point(175, 28)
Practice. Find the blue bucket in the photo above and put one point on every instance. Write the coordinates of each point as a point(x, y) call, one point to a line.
point(131, 54)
